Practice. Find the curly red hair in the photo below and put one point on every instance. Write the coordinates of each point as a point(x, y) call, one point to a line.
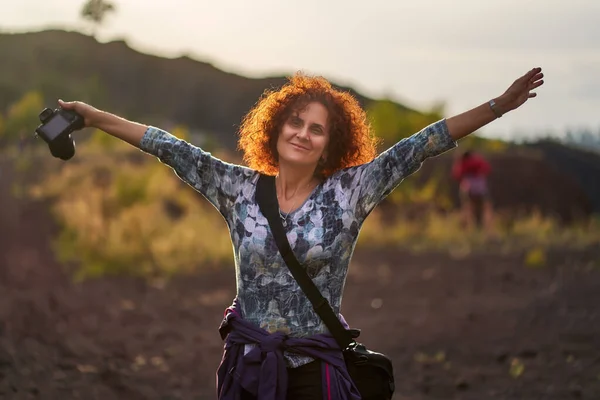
point(351, 140)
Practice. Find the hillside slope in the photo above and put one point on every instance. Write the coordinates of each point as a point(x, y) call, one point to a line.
point(117, 78)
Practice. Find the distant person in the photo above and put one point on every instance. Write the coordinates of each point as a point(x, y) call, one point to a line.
point(23, 143)
point(317, 143)
point(471, 171)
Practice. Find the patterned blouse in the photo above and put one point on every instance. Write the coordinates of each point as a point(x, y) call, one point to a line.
point(322, 232)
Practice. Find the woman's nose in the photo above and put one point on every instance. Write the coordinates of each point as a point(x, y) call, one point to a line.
point(302, 134)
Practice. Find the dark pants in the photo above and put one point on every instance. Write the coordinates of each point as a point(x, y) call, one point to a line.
point(304, 383)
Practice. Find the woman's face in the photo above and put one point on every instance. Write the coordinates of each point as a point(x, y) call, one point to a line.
point(304, 136)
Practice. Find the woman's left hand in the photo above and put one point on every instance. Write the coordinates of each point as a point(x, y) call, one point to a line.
point(521, 90)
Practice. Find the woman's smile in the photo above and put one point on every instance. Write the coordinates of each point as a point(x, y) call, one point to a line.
point(298, 147)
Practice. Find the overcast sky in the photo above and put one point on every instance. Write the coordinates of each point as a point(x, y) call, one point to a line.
point(460, 52)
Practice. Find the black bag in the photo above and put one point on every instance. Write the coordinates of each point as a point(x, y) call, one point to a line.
point(371, 372)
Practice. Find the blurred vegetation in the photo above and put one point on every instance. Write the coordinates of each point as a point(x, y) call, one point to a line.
point(20, 118)
point(123, 216)
point(392, 121)
point(96, 11)
point(445, 231)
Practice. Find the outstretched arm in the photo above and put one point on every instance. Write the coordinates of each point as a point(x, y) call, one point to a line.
point(516, 95)
point(375, 180)
point(130, 132)
point(217, 180)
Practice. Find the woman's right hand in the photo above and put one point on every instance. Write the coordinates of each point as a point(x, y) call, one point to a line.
point(85, 110)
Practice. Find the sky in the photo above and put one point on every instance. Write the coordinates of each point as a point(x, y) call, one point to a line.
point(461, 53)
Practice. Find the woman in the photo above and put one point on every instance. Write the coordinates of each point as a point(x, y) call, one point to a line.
point(317, 142)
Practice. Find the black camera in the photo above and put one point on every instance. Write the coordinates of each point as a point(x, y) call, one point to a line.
point(56, 129)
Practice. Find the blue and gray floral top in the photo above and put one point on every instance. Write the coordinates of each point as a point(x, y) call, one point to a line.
point(322, 232)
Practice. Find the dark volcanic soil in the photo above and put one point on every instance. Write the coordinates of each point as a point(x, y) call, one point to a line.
point(479, 327)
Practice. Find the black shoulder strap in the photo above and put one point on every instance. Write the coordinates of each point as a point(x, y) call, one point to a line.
point(266, 196)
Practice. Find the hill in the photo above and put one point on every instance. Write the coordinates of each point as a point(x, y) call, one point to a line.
point(582, 165)
point(117, 78)
point(524, 180)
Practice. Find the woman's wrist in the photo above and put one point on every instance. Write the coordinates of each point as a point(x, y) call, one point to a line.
point(93, 118)
point(502, 104)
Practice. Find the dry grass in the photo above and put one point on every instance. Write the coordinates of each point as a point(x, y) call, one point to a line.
point(446, 232)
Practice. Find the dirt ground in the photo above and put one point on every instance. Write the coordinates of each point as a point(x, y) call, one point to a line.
point(484, 326)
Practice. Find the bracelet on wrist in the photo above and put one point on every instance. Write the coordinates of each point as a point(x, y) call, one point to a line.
point(495, 109)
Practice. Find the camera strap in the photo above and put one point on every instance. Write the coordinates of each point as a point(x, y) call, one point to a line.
point(266, 197)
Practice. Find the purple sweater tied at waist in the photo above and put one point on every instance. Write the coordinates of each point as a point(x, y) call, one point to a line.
point(263, 372)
